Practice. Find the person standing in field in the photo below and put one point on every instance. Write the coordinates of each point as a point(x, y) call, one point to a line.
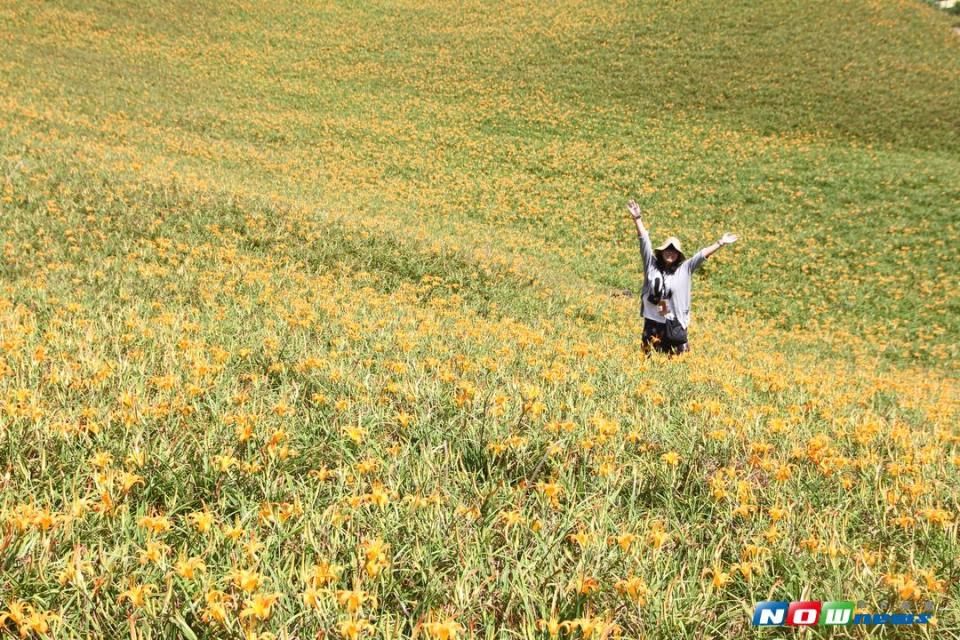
point(667, 276)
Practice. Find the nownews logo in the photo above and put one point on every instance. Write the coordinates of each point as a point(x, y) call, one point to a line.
point(832, 613)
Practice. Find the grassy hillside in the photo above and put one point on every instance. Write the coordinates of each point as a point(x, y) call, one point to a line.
point(309, 317)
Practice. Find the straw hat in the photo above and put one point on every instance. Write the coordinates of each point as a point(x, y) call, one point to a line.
point(675, 243)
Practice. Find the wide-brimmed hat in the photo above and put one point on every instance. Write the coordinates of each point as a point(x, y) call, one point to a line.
point(674, 242)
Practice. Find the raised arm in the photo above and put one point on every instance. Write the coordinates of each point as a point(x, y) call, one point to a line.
point(646, 248)
point(694, 263)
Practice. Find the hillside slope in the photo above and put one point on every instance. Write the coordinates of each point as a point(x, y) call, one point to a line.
point(827, 138)
point(311, 317)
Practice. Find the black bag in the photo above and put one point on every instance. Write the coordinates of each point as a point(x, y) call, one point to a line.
point(675, 332)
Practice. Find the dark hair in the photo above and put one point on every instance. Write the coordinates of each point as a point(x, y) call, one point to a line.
point(669, 268)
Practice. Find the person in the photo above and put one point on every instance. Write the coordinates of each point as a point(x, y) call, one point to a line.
point(667, 275)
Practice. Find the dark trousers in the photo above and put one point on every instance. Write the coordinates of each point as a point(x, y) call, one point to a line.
point(655, 338)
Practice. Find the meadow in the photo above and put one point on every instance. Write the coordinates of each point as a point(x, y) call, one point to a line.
point(321, 319)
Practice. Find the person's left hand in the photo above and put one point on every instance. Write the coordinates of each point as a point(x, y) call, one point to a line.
point(729, 238)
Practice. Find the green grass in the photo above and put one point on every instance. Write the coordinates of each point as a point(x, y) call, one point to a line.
point(828, 139)
point(322, 216)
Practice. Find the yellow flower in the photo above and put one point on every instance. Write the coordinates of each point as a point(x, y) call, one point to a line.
point(465, 393)
point(551, 626)
point(189, 567)
point(671, 457)
point(354, 628)
point(252, 547)
point(589, 626)
point(937, 516)
point(720, 577)
point(352, 599)
point(27, 618)
point(624, 540)
point(260, 606)
point(129, 480)
point(137, 594)
point(356, 434)
point(446, 630)
point(216, 610)
point(311, 597)
point(512, 518)
point(234, 532)
point(102, 459)
point(933, 584)
point(201, 520)
point(585, 585)
point(552, 491)
point(246, 580)
point(324, 573)
point(657, 536)
point(155, 524)
point(634, 588)
point(581, 538)
point(375, 553)
point(747, 569)
point(154, 552)
point(37, 622)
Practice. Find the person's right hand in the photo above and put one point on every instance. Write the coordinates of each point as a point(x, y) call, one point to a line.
point(634, 210)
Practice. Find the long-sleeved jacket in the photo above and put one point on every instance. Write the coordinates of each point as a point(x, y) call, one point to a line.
point(675, 287)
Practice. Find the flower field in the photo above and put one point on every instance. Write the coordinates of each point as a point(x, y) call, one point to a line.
point(320, 320)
